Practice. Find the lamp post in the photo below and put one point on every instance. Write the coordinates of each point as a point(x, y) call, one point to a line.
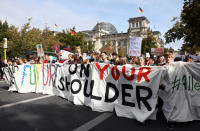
point(4, 47)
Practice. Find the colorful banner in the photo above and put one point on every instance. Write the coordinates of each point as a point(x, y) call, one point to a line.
point(135, 46)
point(131, 91)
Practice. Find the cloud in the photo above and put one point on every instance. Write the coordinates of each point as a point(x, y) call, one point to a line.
point(44, 14)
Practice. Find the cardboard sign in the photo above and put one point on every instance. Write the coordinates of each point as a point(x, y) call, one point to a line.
point(40, 52)
point(135, 46)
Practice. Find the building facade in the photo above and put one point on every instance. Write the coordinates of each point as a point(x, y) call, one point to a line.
point(105, 32)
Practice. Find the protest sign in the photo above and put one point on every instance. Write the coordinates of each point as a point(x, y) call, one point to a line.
point(135, 46)
point(40, 52)
point(147, 55)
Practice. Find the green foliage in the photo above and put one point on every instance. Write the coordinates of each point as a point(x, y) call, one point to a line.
point(3, 29)
point(25, 39)
point(14, 42)
point(166, 50)
point(171, 49)
point(148, 43)
point(49, 40)
point(68, 39)
point(187, 27)
point(175, 33)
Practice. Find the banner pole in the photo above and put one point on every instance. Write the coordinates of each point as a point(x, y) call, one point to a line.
point(4, 53)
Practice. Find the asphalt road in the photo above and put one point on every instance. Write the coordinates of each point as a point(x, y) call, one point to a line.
point(36, 112)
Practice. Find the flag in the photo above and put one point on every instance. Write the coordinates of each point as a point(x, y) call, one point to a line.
point(140, 10)
point(56, 26)
point(57, 49)
point(72, 32)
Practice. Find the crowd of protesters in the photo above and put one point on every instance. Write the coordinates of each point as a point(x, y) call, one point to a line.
point(101, 57)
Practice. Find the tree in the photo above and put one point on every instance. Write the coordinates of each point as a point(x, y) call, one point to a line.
point(148, 43)
point(49, 40)
point(166, 50)
point(71, 40)
point(171, 49)
point(26, 39)
point(187, 27)
point(3, 29)
point(14, 42)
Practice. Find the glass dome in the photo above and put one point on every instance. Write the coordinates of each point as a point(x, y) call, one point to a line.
point(107, 27)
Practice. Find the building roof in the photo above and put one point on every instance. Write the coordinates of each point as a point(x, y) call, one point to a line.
point(139, 19)
point(105, 27)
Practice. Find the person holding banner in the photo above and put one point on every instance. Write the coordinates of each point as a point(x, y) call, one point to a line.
point(104, 58)
point(114, 58)
point(159, 61)
point(168, 58)
point(46, 59)
point(188, 59)
point(142, 61)
point(71, 59)
point(78, 59)
point(94, 57)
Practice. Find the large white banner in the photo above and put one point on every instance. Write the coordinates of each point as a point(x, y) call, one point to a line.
point(135, 46)
point(181, 95)
point(131, 91)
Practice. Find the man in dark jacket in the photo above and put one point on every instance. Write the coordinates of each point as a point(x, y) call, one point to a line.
point(1, 68)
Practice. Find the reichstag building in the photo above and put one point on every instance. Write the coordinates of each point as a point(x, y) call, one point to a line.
point(105, 32)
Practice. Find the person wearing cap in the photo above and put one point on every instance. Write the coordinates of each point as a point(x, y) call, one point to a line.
point(64, 53)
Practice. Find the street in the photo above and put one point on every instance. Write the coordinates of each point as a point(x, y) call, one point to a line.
point(37, 112)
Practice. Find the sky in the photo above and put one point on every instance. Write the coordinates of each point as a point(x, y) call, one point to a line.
point(84, 14)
